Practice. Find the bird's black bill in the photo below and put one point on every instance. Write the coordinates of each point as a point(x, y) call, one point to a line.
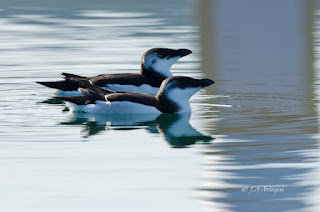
point(206, 82)
point(184, 52)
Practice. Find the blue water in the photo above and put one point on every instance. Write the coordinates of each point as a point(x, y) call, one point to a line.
point(251, 140)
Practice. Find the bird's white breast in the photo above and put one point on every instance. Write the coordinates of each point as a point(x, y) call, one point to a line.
point(119, 107)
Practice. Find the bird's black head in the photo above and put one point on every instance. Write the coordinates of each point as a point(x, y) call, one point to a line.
point(160, 60)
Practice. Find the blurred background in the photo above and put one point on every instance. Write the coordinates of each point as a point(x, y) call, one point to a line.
point(253, 137)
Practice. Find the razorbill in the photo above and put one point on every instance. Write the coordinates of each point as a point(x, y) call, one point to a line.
point(173, 97)
point(155, 67)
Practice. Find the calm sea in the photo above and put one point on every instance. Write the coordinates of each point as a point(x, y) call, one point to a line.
point(251, 141)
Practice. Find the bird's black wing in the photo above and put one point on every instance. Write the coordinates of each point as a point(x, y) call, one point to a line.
point(124, 79)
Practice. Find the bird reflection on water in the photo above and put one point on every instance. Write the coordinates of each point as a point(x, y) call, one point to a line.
point(173, 128)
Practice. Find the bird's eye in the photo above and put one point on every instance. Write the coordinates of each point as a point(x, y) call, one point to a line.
point(153, 61)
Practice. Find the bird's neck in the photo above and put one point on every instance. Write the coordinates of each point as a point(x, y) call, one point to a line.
point(155, 74)
point(172, 105)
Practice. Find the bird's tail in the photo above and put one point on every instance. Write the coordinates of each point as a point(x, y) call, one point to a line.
point(70, 83)
point(88, 97)
point(63, 85)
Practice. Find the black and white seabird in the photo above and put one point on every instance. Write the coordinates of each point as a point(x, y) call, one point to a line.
point(155, 67)
point(173, 97)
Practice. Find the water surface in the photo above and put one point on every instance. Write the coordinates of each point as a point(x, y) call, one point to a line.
point(54, 160)
point(256, 127)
